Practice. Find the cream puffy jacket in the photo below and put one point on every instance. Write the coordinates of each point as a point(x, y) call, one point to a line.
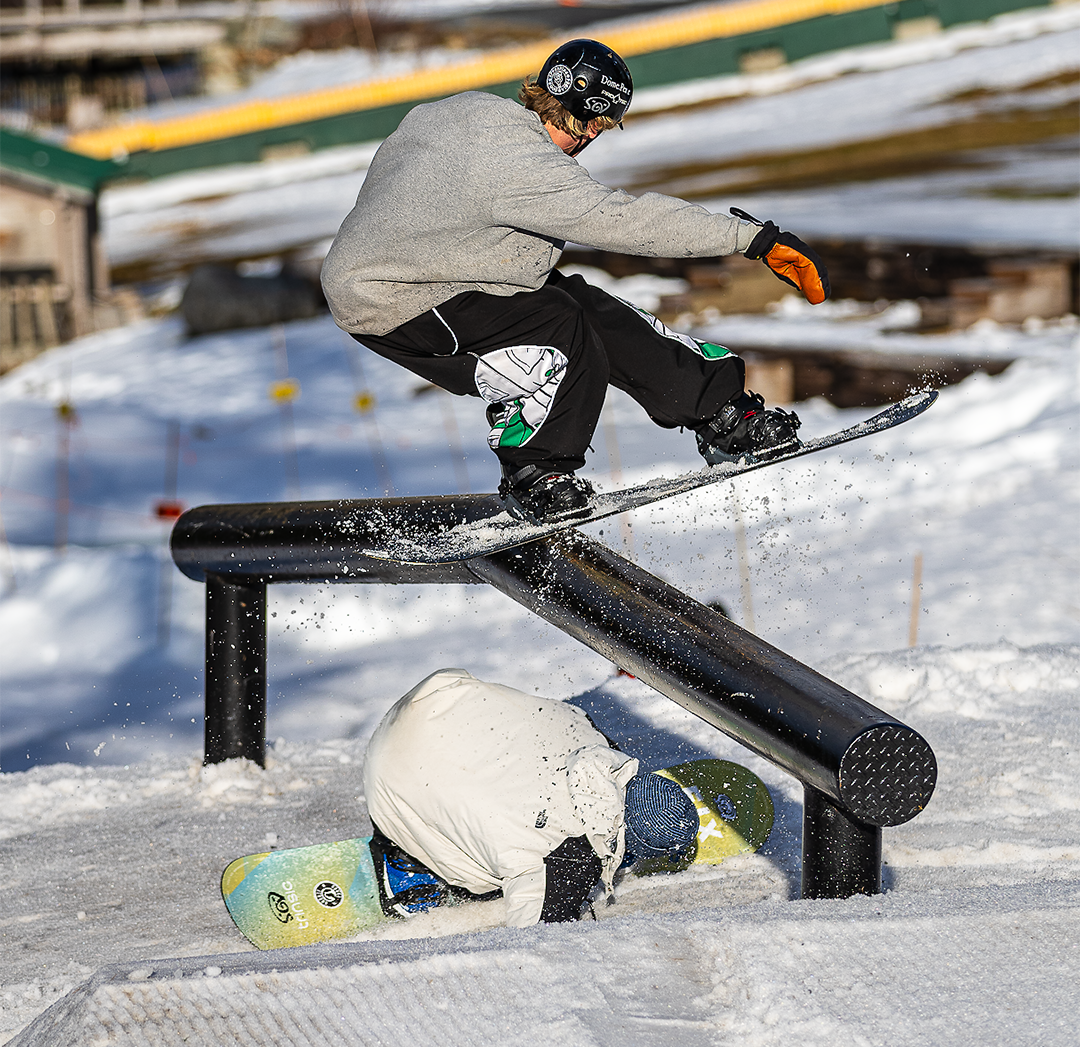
point(480, 782)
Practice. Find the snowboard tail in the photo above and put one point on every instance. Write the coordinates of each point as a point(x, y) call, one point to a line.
point(735, 812)
point(280, 899)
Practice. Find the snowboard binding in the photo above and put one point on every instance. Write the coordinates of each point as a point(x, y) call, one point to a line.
point(542, 496)
point(745, 427)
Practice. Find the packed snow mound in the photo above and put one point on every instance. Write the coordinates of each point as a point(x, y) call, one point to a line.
point(970, 970)
point(58, 794)
point(977, 924)
point(974, 682)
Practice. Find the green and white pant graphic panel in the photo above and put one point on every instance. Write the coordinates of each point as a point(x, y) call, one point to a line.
point(709, 350)
point(520, 382)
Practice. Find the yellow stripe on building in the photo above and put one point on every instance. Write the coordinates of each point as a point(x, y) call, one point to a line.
point(658, 33)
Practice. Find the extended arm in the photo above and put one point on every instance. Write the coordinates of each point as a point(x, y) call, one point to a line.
point(548, 193)
point(560, 200)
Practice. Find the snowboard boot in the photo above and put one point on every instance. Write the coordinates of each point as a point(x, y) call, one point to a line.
point(745, 427)
point(542, 496)
point(406, 887)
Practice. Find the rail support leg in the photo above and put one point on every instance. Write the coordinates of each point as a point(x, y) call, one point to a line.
point(841, 856)
point(235, 670)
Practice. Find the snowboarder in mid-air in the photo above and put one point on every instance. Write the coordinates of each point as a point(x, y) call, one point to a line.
point(446, 265)
point(476, 789)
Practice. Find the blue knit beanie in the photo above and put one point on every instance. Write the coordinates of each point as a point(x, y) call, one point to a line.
point(661, 820)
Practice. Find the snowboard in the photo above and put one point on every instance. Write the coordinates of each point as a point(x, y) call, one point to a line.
point(304, 895)
point(497, 531)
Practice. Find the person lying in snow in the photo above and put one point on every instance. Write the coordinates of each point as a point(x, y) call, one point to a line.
point(476, 789)
point(446, 265)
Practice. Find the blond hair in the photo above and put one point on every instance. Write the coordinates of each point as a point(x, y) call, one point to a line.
point(552, 111)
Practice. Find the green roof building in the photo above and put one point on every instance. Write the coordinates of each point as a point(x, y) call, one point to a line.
point(53, 275)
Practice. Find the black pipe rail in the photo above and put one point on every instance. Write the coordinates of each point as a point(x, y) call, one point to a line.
point(861, 769)
point(235, 720)
point(318, 541)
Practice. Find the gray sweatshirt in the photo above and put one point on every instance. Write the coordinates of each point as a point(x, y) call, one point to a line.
point(471, 194)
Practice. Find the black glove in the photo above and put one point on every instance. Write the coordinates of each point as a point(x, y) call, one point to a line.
point(789, 258)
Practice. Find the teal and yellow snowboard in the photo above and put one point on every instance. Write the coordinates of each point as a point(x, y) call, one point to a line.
point(279, 899)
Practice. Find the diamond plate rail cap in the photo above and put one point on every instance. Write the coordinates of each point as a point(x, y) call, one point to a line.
point(887, 775)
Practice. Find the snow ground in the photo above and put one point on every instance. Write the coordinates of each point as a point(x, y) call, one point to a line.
point(114, 836)
point(973, 943)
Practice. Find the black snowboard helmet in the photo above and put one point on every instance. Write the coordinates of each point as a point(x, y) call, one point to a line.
point(589, 80)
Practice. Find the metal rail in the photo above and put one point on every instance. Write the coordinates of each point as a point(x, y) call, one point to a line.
point(861, 769)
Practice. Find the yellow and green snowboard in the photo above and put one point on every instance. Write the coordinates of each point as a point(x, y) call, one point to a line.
point(280, 899)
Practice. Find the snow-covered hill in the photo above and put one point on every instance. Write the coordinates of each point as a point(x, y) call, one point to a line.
point(108, 636)
point(707, 136)
point(974, 939)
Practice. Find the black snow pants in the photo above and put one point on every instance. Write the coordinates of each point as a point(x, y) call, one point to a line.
point(543, 361)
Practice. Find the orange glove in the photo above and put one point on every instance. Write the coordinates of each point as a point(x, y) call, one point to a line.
point(789, 258)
